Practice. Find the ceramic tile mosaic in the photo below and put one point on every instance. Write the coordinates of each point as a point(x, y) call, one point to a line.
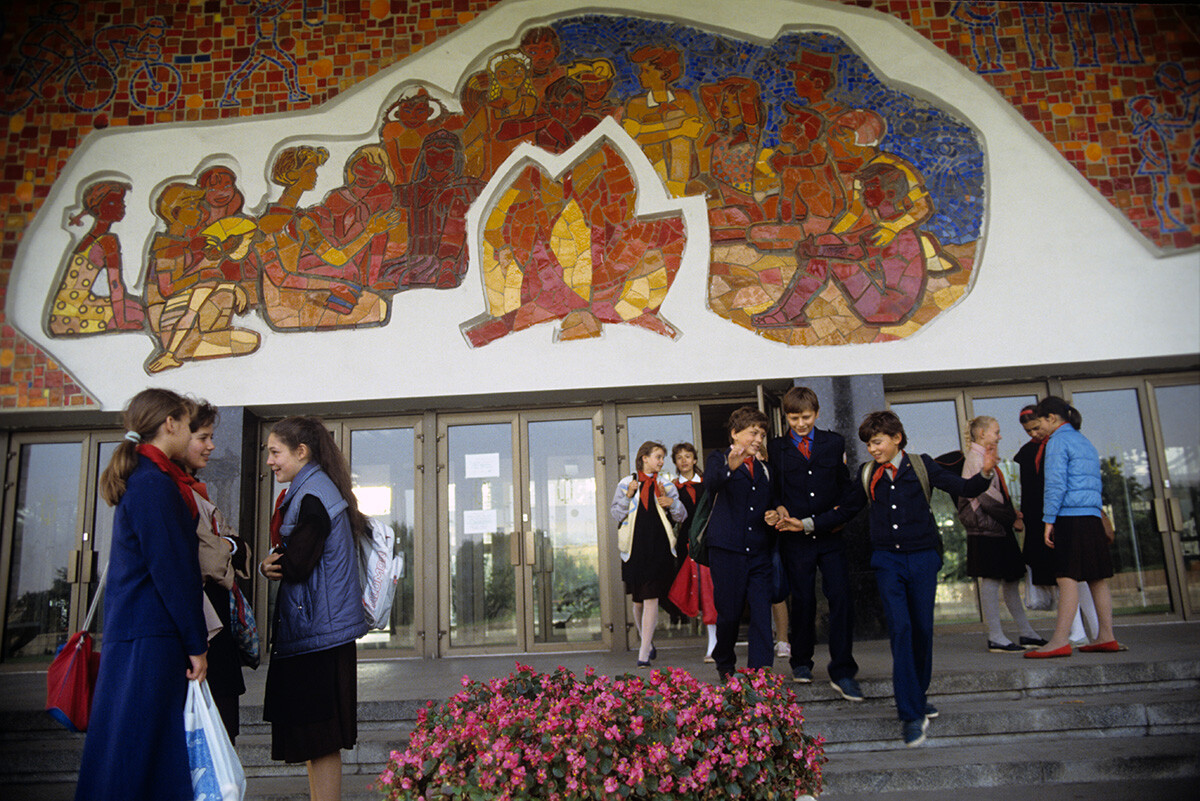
point(1113, 87)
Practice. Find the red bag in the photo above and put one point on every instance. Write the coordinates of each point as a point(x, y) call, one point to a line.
point(685, 589)
point(71, 679)
point(70, 682)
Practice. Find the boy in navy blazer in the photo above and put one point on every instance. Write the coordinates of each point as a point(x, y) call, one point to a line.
point(906, 555)
point(813, 498)
point(740, 543)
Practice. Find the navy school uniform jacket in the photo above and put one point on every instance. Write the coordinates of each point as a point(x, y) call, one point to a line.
point(900, 517)
point(742, 499)
point(819, 487)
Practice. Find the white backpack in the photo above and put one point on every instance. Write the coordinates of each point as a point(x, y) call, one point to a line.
point(379, 570)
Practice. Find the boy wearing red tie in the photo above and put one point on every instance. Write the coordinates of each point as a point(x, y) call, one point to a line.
point(906, 555)
point(740, 543)
point(813, 497)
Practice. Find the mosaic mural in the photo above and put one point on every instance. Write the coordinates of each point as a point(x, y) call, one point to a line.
point(1112, 86)
point(829, 198)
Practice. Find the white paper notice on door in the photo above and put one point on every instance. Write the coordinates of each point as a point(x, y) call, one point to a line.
point(479, 521)
point(482, 465)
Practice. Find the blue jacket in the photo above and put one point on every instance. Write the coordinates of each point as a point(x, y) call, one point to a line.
point(900, 517)
point(736, 523)
point(1072, 470)
point(154, 586)
point(326, 608)
point(818, 487)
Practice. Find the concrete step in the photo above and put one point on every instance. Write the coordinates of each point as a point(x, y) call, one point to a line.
point(952, 767)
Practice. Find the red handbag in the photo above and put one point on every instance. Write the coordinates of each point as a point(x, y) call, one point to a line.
point(71, 679)
point(685, 589)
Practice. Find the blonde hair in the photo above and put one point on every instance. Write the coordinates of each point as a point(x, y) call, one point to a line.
point(980, 424)
point(374, 154)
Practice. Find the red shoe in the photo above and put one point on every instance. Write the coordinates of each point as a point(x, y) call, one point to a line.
point(1112, 646)
point(1064, 651)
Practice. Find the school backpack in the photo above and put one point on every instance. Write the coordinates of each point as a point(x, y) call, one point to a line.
point(379, 570)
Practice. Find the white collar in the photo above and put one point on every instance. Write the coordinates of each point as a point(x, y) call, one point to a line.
point(652, 103)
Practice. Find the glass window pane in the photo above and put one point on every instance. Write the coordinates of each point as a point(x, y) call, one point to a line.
point(1112, 422)
point(382, 464)
point(45, 532)
point(562, 500)
point(101, 537)
point(1180, 421)
point(479, 490)
point(932, 428)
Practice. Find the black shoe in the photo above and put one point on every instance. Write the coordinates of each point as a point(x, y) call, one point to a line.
point(1010, 648)
point(931, 712)
point(643, 665)
point(653, 653)
point(1032, 642)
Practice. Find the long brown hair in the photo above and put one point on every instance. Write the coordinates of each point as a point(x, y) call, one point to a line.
point(311, 432)
point(148, 410)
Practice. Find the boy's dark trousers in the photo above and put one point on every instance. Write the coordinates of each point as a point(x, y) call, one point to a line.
point(741, 579)
point(907, 586)
point(802, 556)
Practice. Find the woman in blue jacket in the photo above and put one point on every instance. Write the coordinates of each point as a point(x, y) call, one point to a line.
point(311, 697)
point(155, 638)
point(1073, 526)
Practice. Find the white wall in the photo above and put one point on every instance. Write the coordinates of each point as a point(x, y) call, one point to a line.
point(1062, 277)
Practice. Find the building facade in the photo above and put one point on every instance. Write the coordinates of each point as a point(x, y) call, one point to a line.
point(499, 245)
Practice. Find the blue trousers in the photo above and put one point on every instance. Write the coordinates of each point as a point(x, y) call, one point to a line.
point(740, 579)
point(802, 556)
point(907, 586)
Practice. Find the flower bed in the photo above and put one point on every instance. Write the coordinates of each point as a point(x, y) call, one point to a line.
point(656, 737)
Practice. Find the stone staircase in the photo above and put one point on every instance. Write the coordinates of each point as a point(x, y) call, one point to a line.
point(1077, 728)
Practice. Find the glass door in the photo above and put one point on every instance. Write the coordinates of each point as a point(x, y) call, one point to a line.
point(668, 424)
point(519, 510)
point(1177, 419)
point(56, 537)
point(1113, 422)
point(385, 461)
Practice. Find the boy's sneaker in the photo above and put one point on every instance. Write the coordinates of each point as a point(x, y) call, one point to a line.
point(931, 712)
point(913, 733)
point(802, 675)
point(783, 650)
point(849, 689)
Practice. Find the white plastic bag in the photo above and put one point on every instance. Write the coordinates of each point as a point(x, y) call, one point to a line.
point(217, 773)
point(1037, 597)
point(379, 570)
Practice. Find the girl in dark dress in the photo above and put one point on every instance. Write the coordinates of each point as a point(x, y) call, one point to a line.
point(311, 697)
point(223, 559)
point(647, 542)
point(155, 638)
point(690, 483)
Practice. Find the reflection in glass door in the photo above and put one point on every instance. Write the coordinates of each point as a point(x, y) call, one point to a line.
point(564, 561)
point(1179, 426)
point(384, 464)
point(479, 517)
point(56, 539)
point(1113, 422)
point(519, 510)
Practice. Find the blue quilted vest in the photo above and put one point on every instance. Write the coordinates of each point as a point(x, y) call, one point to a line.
point(326, 609)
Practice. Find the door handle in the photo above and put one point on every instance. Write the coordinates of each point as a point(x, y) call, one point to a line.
point(73, 567)
point(87, 564)
point(514, 548)
point(530, 546)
